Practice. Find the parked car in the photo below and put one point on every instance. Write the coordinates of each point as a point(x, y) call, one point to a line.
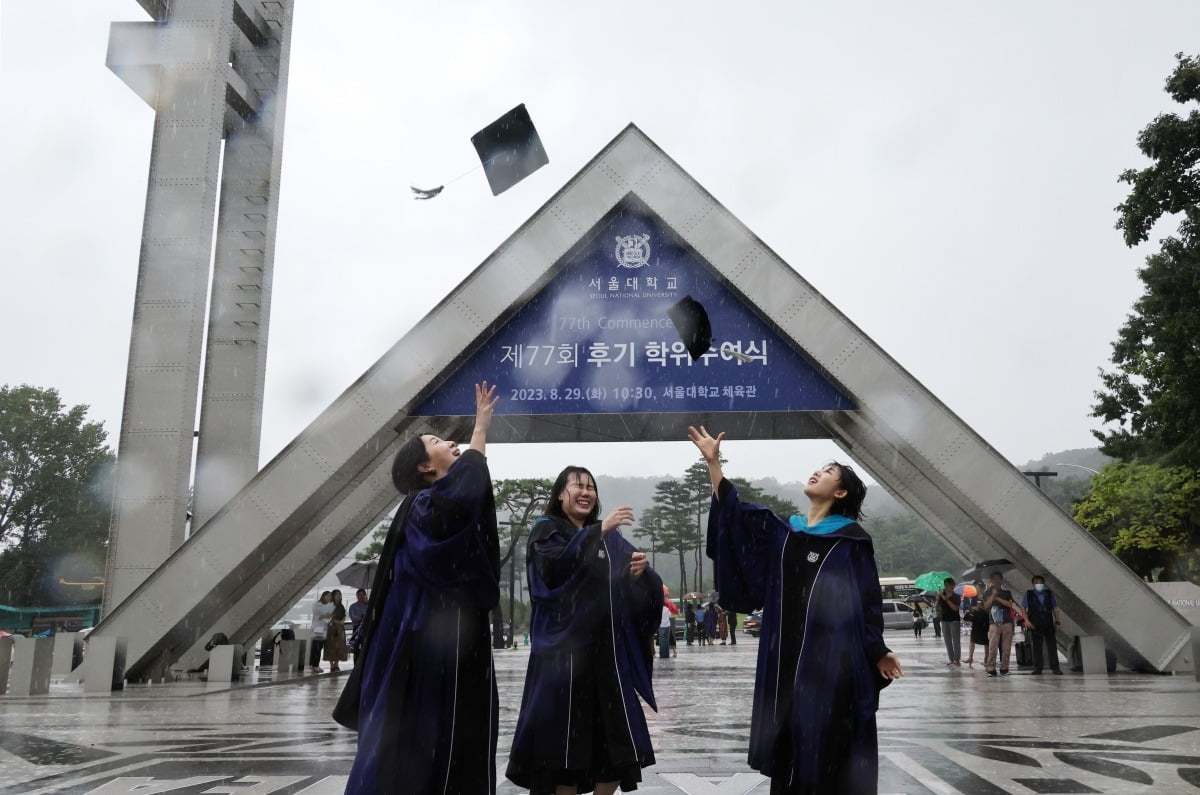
point(752, 623)
point(896, 614)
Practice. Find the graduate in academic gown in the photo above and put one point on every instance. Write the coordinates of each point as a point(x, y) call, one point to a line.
point(596, 605)
point(821, 656)
point(427, 716)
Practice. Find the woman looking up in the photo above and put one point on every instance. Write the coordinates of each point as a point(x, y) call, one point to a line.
point(596, 604)
point(821, 656)
point(426, 701)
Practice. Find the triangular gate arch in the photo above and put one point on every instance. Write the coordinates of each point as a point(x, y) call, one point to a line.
point(247, 565)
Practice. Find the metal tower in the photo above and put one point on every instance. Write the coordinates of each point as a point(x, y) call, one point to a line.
point(215, 73)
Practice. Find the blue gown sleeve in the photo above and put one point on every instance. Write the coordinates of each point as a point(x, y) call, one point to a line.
point(560, 557)
point(872, 601)
point(741, 541)
point(451, 535)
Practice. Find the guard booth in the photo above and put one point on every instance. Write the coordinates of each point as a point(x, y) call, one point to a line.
point(570, 316)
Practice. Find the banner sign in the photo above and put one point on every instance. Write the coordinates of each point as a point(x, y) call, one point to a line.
point(598, 339)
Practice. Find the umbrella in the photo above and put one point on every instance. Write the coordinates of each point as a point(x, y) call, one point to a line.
point(980, 570)
point(966, 589)
point(917, 598)
point(359, 574)
point(693, 595)
point(932, 580)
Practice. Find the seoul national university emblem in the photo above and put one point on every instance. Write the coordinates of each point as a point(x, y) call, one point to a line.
point(633, 251)
point(813, 557)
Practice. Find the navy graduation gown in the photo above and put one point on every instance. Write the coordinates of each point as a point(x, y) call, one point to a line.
point(428, 706)
point(816, 685)
point(590, 659)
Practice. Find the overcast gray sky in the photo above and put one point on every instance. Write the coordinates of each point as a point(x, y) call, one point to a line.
point(944, 173)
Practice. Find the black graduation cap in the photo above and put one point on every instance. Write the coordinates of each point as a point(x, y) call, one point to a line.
point(692, 323)
point(695, 329)
point(510, 149)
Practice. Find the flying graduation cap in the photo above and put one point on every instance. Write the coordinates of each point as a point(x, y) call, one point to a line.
point(695, 329)
point(510, 149)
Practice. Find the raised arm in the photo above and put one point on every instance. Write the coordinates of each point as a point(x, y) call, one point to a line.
point(485, 400)
point(710, 448)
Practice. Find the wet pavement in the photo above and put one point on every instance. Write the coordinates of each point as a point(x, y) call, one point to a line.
point(941, 730)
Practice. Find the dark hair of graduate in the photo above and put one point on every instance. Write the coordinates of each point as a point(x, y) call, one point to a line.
point(554, 505)
point(849, 506)
point(404, 466)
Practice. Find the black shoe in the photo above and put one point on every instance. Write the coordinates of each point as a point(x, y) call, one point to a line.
point(1004, 672)
point(991, 673)
point(1035, 672)
point(1057, 672)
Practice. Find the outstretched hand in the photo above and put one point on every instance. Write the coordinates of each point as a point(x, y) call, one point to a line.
point(485, 401)
point(709, 446)
point(889, 667)
point(620, 517)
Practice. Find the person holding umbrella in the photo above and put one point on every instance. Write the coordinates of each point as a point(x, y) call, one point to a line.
point(822, 660)
point(948, 604)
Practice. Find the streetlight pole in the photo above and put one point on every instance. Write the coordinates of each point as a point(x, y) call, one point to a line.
point(1077, 466)
point(1037, 477)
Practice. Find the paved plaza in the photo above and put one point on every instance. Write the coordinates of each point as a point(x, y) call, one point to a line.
point(940, 731)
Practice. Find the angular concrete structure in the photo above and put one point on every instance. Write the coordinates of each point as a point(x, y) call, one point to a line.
point(270, 542)
point(215, 73)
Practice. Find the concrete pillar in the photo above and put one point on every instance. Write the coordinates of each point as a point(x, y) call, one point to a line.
point(225, 663)
point(6, 651)
point(1091, 654)
point(30, 675)
point(104, 665)
point(1196, 653)
point(191, 47)
point(68, 647)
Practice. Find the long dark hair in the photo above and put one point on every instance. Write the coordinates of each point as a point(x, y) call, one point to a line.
point(404, 466)
point(849, 506)
point(554, 505)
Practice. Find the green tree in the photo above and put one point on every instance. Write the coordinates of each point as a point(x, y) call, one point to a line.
point(1151, 395)
point(678, 522)
point(1148, 515)
point(699, 491)
point(55, 495)
point(378, 536)
point(674, 526)
point(906, 547)
point(780, 506)
point(523, 500)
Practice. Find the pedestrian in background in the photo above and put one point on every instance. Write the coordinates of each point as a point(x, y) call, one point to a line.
point(947, 603)
point(722, 625)
point(1044, 620)
point(978, 619)
point(710, 624)
point(356, 613)
point(335, 636)
point(1002, 610)
point(701, 626)
point(732, 628)
point(918, 620)
point(689, 622)
point(321, 613)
